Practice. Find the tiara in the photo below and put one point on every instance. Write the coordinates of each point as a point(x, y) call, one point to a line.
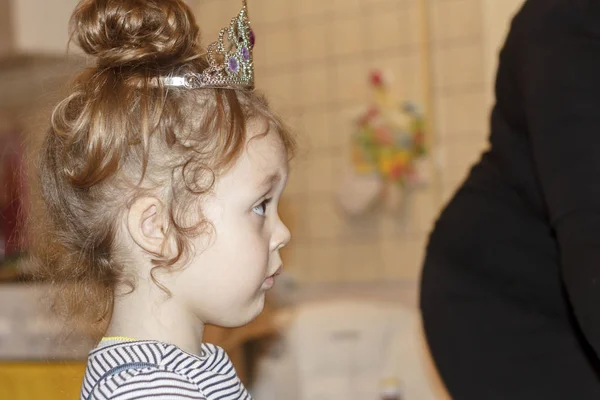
point(230, 66)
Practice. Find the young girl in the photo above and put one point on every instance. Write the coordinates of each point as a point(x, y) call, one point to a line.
point(162, 172)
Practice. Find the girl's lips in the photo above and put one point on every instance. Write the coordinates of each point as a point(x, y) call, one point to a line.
point(270, 280)
point(277, 272)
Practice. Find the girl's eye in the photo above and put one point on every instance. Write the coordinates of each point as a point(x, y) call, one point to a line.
point(261, 209)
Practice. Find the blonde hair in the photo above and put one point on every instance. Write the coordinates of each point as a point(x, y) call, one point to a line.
point(119, 134)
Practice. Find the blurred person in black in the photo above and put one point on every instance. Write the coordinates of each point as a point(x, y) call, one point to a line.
point(510, 290)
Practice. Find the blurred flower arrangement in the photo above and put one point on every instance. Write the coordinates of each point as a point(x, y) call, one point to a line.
point(389, 138)
point(387, 152)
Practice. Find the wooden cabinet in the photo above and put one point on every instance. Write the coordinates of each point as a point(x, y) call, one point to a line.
point(38, 380)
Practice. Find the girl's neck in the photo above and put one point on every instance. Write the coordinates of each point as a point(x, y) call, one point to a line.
point(142, 317)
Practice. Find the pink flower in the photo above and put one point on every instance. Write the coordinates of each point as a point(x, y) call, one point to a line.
point(376, 79)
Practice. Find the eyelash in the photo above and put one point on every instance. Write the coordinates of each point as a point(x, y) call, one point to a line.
point(264, 203)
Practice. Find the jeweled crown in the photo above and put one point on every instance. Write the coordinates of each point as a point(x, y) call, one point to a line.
point(230, 63)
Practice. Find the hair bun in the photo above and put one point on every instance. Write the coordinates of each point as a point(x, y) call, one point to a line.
point(133, 32)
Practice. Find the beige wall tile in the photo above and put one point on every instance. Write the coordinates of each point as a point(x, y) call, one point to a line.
point(453, 176)
point(390, 3)
point(343, 126)
point(314, 41)
point(322, 173)
point(317, 129)
point(403, 259)
point(315, 86)
point(456, 19)
point(425, 210)
point(257, 9)
point(261, 57)
point(211, 18)
point(271, 11)
point(280, 46)
point(464, 151)
point(297, 181)
point(294, 119)
point(362, 229)
point(324, 219)
point(422, 212)
point(347, 6)
point(394, 225)
point(452, 179)
point(460, 113)
point(458, 65)
point(325, 262)
point(361, 262)
point(416, 217)
point(349, 36)
point(311, 8)
point(351, 81)
point(297, 261)
point(280, 88)
point(292, 213)
point(393, 28)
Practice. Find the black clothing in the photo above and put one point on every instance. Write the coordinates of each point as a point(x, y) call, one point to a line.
point(510, 291)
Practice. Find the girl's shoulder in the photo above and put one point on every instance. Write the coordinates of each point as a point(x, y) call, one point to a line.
point(124, 370)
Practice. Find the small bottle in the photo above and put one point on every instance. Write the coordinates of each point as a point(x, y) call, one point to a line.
point(390, 389)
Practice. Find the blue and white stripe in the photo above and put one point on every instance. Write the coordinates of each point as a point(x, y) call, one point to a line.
point(129, 370)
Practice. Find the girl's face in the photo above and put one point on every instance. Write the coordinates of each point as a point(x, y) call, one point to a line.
point(226, 281)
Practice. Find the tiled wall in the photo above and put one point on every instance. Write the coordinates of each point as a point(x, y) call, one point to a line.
point(466, 36)
point(459, 87)
point(313, 58)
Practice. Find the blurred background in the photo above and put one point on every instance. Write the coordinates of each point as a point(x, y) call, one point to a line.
point(358, 237)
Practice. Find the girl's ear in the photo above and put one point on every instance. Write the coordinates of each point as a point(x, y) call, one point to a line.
point(147, 223)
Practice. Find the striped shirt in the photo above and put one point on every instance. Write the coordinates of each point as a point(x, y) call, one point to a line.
point(129, 370)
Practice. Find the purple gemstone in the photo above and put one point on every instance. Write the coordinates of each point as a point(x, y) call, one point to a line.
point(252, 37)
point(246, 54)
point(233, 64)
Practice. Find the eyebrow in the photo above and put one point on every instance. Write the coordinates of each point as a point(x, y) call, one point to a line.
point(270, 180)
